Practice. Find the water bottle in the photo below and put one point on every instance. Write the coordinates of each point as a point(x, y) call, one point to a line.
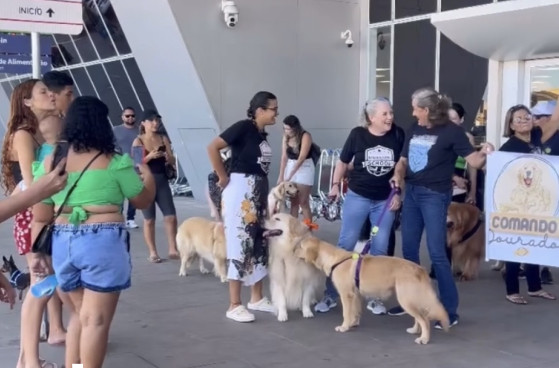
point(44, 287)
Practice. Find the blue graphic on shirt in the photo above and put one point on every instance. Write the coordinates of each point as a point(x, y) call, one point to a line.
point(418, 154)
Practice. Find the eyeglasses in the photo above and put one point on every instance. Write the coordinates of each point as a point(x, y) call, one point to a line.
point(129, 116)
point(272, 108)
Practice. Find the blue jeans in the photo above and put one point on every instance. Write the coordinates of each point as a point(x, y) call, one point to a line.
point(92, 256)
point(357, 210)
point(425, 208)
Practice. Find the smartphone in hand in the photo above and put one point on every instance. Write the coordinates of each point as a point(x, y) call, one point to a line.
point(60, 152)
point(137, 156)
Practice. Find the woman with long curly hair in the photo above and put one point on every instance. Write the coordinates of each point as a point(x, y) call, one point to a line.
point(30, 103)
point(90, 244)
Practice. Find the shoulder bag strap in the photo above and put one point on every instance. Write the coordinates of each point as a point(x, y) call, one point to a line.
point(59, 211)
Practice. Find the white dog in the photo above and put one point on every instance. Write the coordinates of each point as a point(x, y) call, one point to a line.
point(278, 194)
point(294, 284)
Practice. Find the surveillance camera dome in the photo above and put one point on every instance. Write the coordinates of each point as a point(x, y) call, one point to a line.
point(349, 42)
point(230, 13)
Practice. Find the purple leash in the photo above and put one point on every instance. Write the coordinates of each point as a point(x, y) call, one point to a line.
point(374, 231)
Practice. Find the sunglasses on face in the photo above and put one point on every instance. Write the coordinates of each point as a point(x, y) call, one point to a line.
point(129, 116)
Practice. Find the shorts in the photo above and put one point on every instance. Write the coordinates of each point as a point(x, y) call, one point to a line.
point(22, 231)
point(92, 256)
point(163, 198)
point(304, 175)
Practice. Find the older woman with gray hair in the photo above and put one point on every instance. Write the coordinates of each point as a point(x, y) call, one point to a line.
point(427, 165)
point(374, 147)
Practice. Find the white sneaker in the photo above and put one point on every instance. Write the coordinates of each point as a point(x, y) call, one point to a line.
point(263, 305)
point(131, 224)
point(376, 306)
point(240, 314)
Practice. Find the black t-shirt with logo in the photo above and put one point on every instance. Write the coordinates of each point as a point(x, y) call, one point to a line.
point(432, 154)
point(250, 152)
point(374, 158)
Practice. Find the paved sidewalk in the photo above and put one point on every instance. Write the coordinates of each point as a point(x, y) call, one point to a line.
point(165, 321)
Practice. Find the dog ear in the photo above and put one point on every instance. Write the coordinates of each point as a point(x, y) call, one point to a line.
point(281, 189)
point(12, 259)
point(5, 259)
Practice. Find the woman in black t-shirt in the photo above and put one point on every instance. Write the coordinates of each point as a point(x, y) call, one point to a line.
point(523, 138)
point(244, 200)
point(427, 165)
point(374, 149)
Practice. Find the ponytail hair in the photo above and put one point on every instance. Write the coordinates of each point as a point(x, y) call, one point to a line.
point(260, 100)
point(437, 104)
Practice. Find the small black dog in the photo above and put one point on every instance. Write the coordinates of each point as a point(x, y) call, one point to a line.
point(18, 279)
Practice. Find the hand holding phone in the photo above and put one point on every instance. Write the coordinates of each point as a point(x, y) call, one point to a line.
point(60, 152)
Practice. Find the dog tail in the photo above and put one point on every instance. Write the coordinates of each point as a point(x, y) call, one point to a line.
point(431, 304)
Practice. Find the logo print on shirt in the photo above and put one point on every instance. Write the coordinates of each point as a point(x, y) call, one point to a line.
point(418, 154)
point(379, 160)
point(265, 158)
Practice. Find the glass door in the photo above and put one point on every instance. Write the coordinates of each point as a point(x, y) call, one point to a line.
point(542, 82)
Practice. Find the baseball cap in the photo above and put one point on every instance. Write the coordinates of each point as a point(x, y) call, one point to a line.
point(150, 114)
point(544, 108)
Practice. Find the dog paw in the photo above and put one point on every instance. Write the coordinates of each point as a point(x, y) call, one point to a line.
point(413, 330)
point(204, 271)
point(223, 279)
point(307, 313)
point(355, 323)
point(341, 328)
point(282, 316)
point(182, 273)
point(421, 341)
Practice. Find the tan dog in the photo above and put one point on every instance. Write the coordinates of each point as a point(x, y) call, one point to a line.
point(278, 195)
point(380, 277)
point(294, 284)
point(203, 239)
point(466, 238)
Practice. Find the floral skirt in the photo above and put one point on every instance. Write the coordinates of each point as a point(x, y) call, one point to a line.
point(244, 203)
point(22, 231)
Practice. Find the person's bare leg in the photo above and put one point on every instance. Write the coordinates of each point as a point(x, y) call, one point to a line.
point(304, 200)
point(57, 333)
point(149, 237)
point(31, 316)
point(171, 231)
point(96, 315)
point(74, 303)
point(234, 294)
point(256, 292)
point(294, 209)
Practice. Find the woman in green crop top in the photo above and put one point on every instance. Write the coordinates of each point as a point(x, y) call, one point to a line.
point(90, 245)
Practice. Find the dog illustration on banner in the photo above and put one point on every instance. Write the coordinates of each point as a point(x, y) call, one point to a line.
point(525, 187)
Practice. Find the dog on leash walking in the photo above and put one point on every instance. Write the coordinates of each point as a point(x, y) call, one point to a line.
point(278, 195)
point(19, 280)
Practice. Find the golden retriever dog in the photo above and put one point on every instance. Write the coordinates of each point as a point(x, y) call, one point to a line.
point(466, 239)
point(278, 195)
point(294, 284)
point(380, 277)
point(529, 196)
point(203, 239)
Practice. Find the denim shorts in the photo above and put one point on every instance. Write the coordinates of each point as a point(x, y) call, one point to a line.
point(92, 256)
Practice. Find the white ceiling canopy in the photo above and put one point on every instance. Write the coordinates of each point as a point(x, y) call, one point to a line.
point(504, 31)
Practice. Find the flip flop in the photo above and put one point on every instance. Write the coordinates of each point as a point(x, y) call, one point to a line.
point(516, 299)
point(154, 259)
point(542, 294)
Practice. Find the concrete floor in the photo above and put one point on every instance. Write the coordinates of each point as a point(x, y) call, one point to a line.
point(165, 321)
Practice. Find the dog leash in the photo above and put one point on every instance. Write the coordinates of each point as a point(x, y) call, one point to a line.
point(374, 230)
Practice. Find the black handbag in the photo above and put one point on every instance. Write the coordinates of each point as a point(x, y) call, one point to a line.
point(43, 241)
point(170, 172)
point(315, 153)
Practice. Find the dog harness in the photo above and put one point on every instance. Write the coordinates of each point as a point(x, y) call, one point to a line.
point(14, 278)
point(471, 233)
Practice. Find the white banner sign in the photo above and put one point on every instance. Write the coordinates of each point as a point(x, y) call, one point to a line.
point(522, 208)
point(43, 16)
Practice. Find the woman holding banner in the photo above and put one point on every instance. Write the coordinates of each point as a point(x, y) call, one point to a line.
point(524, 137)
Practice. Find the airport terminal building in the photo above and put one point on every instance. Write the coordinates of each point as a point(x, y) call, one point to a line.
point(182, 58)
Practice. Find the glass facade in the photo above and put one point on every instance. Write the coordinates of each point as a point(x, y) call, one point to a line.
point(407, 53)
point(99, 60)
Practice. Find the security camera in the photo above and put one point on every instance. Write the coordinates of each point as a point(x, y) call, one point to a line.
point(230, 13)
point(346, 35)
